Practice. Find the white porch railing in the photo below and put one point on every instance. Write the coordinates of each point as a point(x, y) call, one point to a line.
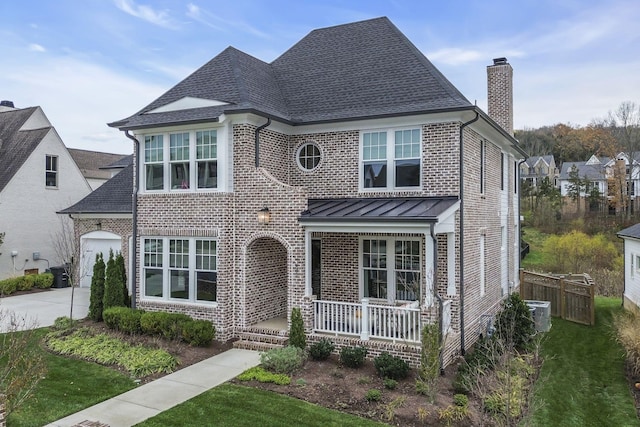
point(367, 321)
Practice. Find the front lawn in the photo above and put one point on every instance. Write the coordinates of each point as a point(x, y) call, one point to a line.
point(238, 406)
point(69, 385)
point(582, 381)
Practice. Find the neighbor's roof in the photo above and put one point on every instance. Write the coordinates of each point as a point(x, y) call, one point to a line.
point(91, 163)
point(421, 209)
point(16, 145)
point(114, 196)
point(593, 172)
point(633, 232)
point(352, 71)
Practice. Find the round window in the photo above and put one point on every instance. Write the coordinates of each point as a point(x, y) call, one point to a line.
point(308, 156)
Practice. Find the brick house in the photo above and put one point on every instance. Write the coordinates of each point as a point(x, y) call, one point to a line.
point(348, 178)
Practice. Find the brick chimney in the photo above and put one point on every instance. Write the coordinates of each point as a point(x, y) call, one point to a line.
point(500, 93)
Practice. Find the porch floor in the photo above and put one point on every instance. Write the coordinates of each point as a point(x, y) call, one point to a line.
point(277, 323)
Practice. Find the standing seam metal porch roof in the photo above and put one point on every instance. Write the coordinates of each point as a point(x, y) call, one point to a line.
point(391, 209)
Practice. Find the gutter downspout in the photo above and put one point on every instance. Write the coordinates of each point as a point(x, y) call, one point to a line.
point(519, 188)
point(258, 140)
point(438, 297)
point(134, 226)
point(461, 255)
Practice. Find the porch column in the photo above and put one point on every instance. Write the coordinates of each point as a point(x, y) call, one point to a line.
point(307, 263)
point(429, 269)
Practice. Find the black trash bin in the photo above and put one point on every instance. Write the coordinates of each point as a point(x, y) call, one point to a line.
point(60, 277)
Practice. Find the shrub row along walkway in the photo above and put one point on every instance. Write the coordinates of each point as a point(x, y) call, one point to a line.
point(582, 381)
point(157, 396)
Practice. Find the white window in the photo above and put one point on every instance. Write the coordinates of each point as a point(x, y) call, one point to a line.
point(308, 156)
point(51, 171)
point(391, 159)
point(180, 269)
point(482, 269)
point(175, 161)
point(391, 269)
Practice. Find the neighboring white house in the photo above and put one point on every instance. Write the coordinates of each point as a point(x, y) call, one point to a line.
point(38, 177)
point(631, 238)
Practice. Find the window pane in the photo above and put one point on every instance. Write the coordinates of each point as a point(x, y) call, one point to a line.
point(155, 176)
point(179, 146)
point(208, 174)
point(153, 149)
point(206, 145)
point(180, 176)
point(375, 175)
point(408, 173)
point(407, 144)
point(50, 179)
point(179, 284)
point(153, 282)
point(206, 286)
point(309, 156)
point(375, 284)
point(206, 255)
point(407, 286)
point(153, 252)
point(374, 146)
point(178, 253)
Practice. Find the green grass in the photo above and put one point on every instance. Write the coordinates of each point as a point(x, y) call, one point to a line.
point(535, 260)
point(68, 386)
point(239, 406)
point(582, 381)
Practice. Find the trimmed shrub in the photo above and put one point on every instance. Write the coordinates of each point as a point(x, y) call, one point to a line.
point(112, 285)
point(514, 324)
point(112, 316)
point(297, 337)
point(43, 280)
point(63, 323)
point(322, 349)
point(167, 325)
point(123, 319)
point(259, 374)
point(8, 286)
point(283, 360)
point(25, 283)
point(198, 333)
point(388, 366)
point(353, 357)
point(97, 289)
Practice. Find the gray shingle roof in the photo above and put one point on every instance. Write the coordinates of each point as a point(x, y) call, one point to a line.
point(114, 196)
point(16, 145)
point(633, 231)
point(421, 209)
point(593, 172)
point(91, 162)
point(358, 70)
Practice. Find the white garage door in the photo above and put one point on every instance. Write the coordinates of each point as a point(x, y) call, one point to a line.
point(91, 244)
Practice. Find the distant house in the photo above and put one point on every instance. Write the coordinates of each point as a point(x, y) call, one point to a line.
point(348, 178)
point(631, 294)
point(599, 173)
point(97, 167)
point(103, 221)
point(535, 168)
point(38, 177)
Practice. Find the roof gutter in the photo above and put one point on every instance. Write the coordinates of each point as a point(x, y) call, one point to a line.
point(258, 140)
point(461, 244)
point(134, 225)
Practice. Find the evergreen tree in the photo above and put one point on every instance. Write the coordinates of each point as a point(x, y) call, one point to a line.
point(97, 289)
point(122, 275)
point(297, 337)
point(112, 287)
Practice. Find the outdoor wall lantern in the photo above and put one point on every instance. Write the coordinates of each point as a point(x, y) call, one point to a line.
point(264, 216)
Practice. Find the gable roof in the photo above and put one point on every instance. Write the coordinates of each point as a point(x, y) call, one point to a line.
point(352, 71)
point(633, 232)
point(590, 171)
point(114, 196)
point(16, 145)
point(91, 163)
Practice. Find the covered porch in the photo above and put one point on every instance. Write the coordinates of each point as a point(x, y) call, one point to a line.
point(373, 267)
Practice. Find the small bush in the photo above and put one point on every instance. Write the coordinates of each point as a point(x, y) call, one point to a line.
point(390, 384)
point(453, 414)
point(388, 366)
point(283, 360)
point(25, 283)
point(461, 400)
point(43, 281)
point(8, 286)
point(297, 337)
point(167, 325)
point(63, 323)
point(322, 349)
point(353, 357)
point(514, 324)
point(259, 374)
point(627, 325)
point(113, 316)
point(129, 322)
point(373, 395)
point(199, 333)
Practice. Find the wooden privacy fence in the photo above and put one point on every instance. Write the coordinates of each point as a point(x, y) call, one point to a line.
point(571, 295)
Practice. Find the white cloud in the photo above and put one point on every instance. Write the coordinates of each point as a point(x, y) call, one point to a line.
point(34, 47)
point(146, 13)
point(218, 23)
point(456, 56)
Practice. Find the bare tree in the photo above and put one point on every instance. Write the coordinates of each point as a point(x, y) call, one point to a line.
point(625, 126)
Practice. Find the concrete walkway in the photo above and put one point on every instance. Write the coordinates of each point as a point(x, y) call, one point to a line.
point(39, 309)
point(157, 396)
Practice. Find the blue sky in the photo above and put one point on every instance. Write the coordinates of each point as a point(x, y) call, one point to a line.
point(89, 62)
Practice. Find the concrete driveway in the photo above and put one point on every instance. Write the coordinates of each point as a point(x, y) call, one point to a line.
point(41, 309)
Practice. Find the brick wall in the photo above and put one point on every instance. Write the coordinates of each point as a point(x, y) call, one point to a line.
point(500, 95)
point(266, 281)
